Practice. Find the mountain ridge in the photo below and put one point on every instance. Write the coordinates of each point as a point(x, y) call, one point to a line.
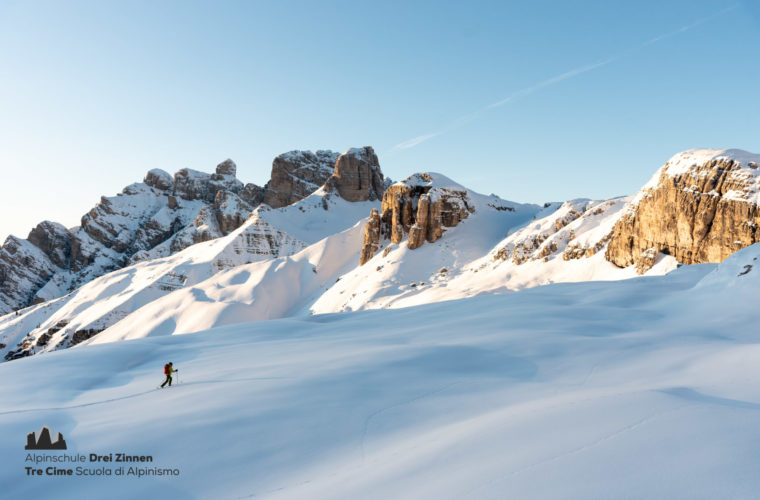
point(425, 239)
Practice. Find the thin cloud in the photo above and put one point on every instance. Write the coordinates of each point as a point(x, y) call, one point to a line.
point(551, 81)
point(463, 120)
point(686, 28)
point(414, 141)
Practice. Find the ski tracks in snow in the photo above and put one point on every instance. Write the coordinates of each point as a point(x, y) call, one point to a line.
point(473, 493)
point(130, 396)
point(375, 413)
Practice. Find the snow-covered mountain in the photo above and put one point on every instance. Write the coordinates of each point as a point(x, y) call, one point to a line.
point(642, 388)
point(154, 218)
point(359, 243)
point(266, 234)
point(701, 206)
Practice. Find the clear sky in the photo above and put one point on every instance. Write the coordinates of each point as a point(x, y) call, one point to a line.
point(532, 100)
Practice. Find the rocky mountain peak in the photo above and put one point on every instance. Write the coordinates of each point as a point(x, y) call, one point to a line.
point(701, 206)
point(163, 215)
point(421, 207)
point(159, 179)
point(296, 174)
point(357, 175)
point(227, 167)
point(54, 240)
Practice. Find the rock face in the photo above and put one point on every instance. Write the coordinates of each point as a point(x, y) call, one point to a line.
point(701, 206)
point(371, 237)
point(297, 174)
point(24, 269)
point(357, 176)
point(571, 230)
point(418, 208)
point(154, 218)
point(54, 240)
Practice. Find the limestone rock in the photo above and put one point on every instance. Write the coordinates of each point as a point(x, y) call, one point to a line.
point(227, 167)
point(418, 208)
point(24, 269)
point(231, 211)
point(164, 215)
point(54, 240)
point(555, 235)
point(252, 194)
point(371, 237)
point(701, 206)
point(159, 179)
point(646, 260)
point(357, 176)
point(297, 174)
point(192, 185)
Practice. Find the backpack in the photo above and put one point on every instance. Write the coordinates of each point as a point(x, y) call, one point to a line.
point(166, 369)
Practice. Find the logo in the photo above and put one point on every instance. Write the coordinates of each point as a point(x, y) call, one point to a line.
point(43, 441)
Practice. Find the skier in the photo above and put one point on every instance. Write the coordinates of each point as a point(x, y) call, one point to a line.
point(168, 370)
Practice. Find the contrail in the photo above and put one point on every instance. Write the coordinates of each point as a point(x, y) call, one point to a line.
point(463, 120)
point(551, 81)
point(410, 143)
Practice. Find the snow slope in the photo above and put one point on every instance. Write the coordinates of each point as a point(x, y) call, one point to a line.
point(466, 262)
point(104, 301)
point(643, 388)
point(471, 259)
point(270, 289)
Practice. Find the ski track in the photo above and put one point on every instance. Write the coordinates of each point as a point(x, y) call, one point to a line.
point(574, 451)
point(130, 396)
point(397, 405)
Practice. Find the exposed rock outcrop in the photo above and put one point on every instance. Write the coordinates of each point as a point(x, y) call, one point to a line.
point(371, 236)
point(159, 179)
point(297, 174)
point(357, 176)
point(556, 234)
point(418, 208)
point(24, 269)
point(54, 240)
point(701, 206)
point(154, 218)
point(230, 210)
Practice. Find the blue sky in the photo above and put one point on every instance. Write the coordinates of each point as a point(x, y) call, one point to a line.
point(94, 94)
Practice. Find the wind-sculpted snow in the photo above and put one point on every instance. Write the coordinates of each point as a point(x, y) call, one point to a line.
point(268, 234)
point(303, 259)
point(296, 261)
point(642, 388)
point(561, 243)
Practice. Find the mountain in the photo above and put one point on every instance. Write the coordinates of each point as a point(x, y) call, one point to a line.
point(645, 387)
point(267, 233)
point(359, 242)
point(154, 218)
point(701, 206)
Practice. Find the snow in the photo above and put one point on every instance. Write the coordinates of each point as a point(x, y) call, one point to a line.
point(432, 180)
point(264, 290)
point(643, 388)
point(267, 234)
point(468, 253)
point(312, 268)
point(685, 162)
point(163, 175)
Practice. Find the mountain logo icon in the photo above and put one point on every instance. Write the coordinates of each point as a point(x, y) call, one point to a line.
point(43, 441)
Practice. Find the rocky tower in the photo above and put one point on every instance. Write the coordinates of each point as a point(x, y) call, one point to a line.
point(297, 174)
point(418, 208)
point(701, 206)
point(357, 176)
